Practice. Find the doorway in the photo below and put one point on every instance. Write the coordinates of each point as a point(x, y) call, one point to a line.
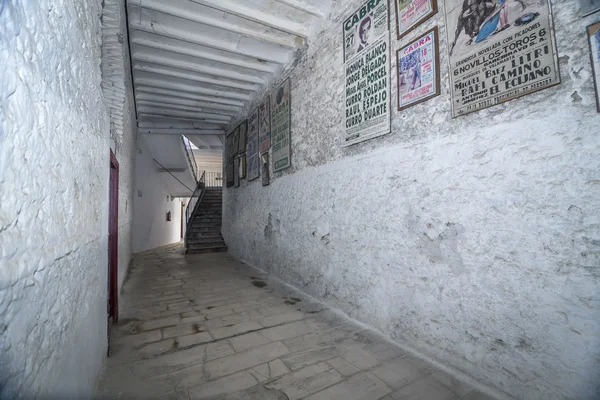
point(113, 245)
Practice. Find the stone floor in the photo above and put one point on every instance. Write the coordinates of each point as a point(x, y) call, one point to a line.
point(210, 327)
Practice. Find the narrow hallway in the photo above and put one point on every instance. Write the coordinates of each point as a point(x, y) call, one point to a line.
point(209, 327)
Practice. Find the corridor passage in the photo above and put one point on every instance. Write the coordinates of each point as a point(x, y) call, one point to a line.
point(210, 327)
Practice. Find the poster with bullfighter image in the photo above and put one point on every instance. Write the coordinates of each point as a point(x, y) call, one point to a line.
point(499, 50)
point(367, 72)
point(252, 146)
point(418, 70)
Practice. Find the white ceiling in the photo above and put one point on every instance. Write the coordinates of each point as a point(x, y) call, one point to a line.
point(198, 63)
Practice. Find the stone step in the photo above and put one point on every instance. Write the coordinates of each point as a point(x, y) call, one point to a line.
point(216, 230)
point(192, 242)
point(204, 250)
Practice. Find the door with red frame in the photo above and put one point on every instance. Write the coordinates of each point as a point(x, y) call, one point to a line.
point(113, 245)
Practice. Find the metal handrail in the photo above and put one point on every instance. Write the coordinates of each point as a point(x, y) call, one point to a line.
point(189, 152)
point(196, 199)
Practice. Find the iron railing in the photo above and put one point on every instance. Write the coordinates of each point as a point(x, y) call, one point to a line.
point(214, 179)
point(193, 203)
point(189, 152)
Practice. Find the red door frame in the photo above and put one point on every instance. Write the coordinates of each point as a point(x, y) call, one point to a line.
point(113, 243)
point(181, 221)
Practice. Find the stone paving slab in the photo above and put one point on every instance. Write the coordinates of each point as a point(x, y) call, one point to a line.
point(196, 327)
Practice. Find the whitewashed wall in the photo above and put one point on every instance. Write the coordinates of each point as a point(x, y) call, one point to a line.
point(152, 202)
point(474, 241)
point(54, 158)
point(125, 153)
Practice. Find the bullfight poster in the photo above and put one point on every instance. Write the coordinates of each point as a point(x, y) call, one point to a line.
point(230, 151)
point(411, 13)
point(264, 126)
point(499, 50)
point(252, 146)
point(367, 62)
point(419, 70)
point(281, 102)
point(242, 137)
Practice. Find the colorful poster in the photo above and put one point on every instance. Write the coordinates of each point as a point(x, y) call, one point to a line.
point(418, 70)
point(499, 50)
point(264, 163)
point(252, 146)
point(367, 64)
point(281, 102)
point(412, 13)
point(243, 138)
point(229, 158)
point(264, 126)
point(593, 32)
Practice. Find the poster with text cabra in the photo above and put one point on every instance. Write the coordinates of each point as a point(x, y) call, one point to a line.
point(364, 27)
point(499, 50)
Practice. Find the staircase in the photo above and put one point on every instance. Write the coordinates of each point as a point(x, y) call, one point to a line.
point(204, 232)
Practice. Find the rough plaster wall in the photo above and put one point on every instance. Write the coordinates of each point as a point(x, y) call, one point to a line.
point(152, 202)
point(125, 152)
point(475, 241)
point(54, 147)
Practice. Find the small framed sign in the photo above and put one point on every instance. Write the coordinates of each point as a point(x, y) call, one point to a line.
point(264, 168)
point(242, 166)
point(236, 172)
point(412, 13)
point(419, 70)
point(593, 32)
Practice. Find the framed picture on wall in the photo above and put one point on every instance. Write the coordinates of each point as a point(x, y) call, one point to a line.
point(488, 42)
point(412, 13)
point(242, 166)
point(236, 172)
point(593, 32)
point(264, 168)
point(419, 70)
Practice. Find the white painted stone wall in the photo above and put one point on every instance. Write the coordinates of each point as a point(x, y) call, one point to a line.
point(152, 202)
point(125, 153)
point(123, 122)
point(54, 158)
point(474, 241)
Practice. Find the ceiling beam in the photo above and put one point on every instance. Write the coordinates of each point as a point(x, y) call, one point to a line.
point(170, 131)
point(152, 116)
point(179, 94)
point(173, 84)
point(159, 42)
point(179, 107)
point(179, 28)
point(179, 61)
point(178, 123)
point(252, 14)
point(148, 97)
point(192, 76)
point(188, 114)
point(200, 14)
